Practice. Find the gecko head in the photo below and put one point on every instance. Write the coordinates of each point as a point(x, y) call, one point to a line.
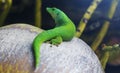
point(55, 13)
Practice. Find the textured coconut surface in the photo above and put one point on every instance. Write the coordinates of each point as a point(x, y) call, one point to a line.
point(16, 53)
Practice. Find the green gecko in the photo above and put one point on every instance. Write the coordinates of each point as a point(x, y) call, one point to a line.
point(64, 30)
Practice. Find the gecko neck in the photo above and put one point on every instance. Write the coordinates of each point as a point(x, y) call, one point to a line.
point(62, 21)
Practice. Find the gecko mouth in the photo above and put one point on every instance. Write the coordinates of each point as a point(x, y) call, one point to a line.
point(51, 11)
point(48, 8)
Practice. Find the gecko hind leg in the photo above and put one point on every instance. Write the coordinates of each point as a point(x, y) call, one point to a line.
point(56, 41)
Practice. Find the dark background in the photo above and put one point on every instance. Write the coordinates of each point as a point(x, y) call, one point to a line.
point(22, 11)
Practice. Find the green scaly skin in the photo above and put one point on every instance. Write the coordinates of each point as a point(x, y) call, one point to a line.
point(64, 30)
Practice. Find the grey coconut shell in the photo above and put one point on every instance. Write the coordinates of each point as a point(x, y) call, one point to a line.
point(16, 53)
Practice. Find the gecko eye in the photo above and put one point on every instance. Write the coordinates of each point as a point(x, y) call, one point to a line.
point(53, 9)
point(57, 13)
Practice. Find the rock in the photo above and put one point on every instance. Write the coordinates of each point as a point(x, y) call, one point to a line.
point(16, 53)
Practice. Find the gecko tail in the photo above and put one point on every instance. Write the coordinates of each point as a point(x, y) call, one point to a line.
point(36, 69)
point(39, 39)
point(37, 54)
